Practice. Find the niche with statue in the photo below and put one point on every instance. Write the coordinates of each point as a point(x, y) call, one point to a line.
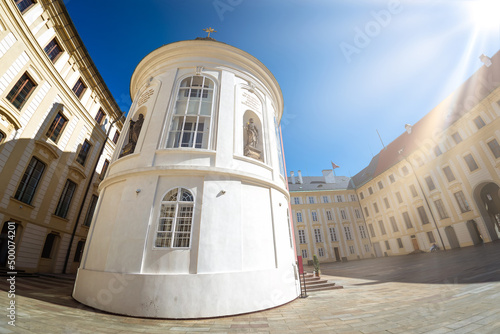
point(253, 136)
point(134, 131)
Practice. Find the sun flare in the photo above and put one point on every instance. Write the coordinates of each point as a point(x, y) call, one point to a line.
point(485, 14)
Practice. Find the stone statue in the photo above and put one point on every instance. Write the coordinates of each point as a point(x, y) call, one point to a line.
point(251, 149)
point(133, 135)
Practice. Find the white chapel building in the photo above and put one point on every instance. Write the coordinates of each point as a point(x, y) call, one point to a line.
point(193, 215)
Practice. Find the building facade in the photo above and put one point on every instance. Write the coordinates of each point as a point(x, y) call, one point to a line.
point(55, 115)
point(327, 218)
point(193, 215)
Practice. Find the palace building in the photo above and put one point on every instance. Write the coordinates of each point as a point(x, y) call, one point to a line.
point(193, 216)
point(55, 115)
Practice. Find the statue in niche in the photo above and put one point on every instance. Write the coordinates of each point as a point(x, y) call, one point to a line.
point(251, 149)
point(133, 136)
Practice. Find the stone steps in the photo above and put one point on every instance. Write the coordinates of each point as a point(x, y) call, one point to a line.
point(313, 283)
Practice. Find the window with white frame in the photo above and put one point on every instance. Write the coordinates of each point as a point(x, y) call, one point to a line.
point(462, 202)
point(372, 230)
point(362, 232)
point(192, 116)
point(394, 224)
point(314, 216)
point(441, 209)
point(304, 253)
point(449, 174)
point(375, 207)
point(391, 178)
point(387, 246)
point(380, 185)
point(311, 200)
point(479, 122)
point(329, 215)
point(400, 243)
point(357, 213)
point(406, 218)
point(386, 202)
point(494, 148)
point(423, 215)
point(333, 234)
point(317, 235)
point(347, 231)
point(353, 198)
point(321, 252)
point(176, 219)
point(299, 217)
point(343, 214)
point(302, 237)
point(340, 198)
point(325, 199)
point(367, 248)
point(382, 227)
point(296, 200)
point(398, 196)
point(471, 163)
point(351, 249)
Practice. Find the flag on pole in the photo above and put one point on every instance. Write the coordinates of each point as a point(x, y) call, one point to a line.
point(334, 165)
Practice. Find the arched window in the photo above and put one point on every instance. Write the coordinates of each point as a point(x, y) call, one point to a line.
point(193, 109)
point(176, 218)
point(2, 136)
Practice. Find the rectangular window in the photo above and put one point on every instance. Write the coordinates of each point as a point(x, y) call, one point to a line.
point(441, 209)
point(339, 198)
point(375, 207)
point(56, 127)
point(79, 251)
point(382, 227)
point(311, 200)
point(449, 174)
point(391, 178)
point(48, 246)
point(370, 190)
point(386, 202)
point(353, 198)
point(387, 246)
point(325, 199)
point(65, 199)
point(29, 181)
point(90, 211)
point(366, 212)
point(437, 151)
point(79, 88)
point(372, 230)
point(400, 243)
point(100, 116)
point(302, 236)
point(296, 200)
point(351, 249)
point(394, 224)
point(380, 185)
point(343, 214)
point(317, 235)
point(362, 232)
point(423, 215)
point(104, 169)
point(494, 148)
point(462, 202)
point(304, 253)
point(456, 137)
point(471, 163)
point(430, 183)
point(367, 248)
point(321, 252)
point(407, 220)
point(398, 196)
point(314, 216)
point(405, 170)
point(430, 235)
point(413, 191)
point(84, 151)
point(116, 136)
point(479, 122)
point(347, 231)
point(24, 5)
point(299, 217)
point(357, 213)
point(53, 50)
point(329, 215)
point(21, 91)
point(361, 195)
point(333, 234)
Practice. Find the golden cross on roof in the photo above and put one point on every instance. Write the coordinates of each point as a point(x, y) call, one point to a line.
point(209, 30)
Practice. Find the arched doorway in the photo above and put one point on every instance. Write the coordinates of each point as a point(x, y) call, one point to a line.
point(452, 237)
point(487, 197)
point(474, 232)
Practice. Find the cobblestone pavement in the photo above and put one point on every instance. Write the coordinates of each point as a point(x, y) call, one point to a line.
point(446, 292)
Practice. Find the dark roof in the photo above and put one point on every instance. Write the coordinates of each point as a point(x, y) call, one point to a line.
point(365, 175)
point(317, 183)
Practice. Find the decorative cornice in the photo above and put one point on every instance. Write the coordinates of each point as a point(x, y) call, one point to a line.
point(46, 150)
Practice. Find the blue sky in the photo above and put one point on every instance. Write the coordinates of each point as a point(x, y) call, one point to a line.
point(346, 68)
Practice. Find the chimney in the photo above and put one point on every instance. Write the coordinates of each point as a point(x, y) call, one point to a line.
point(292, 176)
point(328, 175)
point(300, 177)
point(408, 128)
point(485, 60)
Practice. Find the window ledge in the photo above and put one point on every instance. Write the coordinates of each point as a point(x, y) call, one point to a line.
point(21, 203)
point(254, 161)
point(60, 218)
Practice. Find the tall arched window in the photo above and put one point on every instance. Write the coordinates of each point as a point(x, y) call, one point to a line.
point(191, 124)
point(176, 218)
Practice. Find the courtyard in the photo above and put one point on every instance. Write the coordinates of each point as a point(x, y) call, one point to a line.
point(454, 291)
